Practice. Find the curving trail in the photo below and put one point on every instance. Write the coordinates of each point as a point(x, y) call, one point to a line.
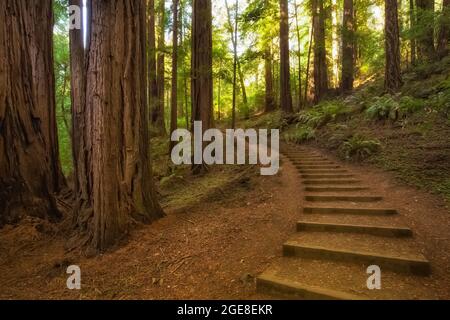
point(348, 222)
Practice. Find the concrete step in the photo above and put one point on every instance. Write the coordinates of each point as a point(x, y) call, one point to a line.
point(327, 198)
point(416, 265)
point(335, 189)
point(271, 284)
point(356, 211)
point(330, 181)
point(354, 228)
point(327, 176)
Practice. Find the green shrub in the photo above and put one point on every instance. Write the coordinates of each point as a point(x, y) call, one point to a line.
point(301, 134)
point(359, 148)
point(388, 107)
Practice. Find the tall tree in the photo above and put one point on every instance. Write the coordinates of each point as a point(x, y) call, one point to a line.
point(158, 111)
point(393, 78)
point(348, 35)
point(320, 53)
point(412, 22)
point(234, 34)
point(174, 95)
point(30, 171)
point(299, 56)
point(425, 20)
point(119, 179)
point(444, 30)
point(285, 75)
point(268, 76)
point(155, 119)
point(202, 82)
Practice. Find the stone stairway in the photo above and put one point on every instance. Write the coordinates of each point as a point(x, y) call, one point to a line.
point(343, 228)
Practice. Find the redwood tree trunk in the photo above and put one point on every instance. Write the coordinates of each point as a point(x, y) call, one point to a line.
point(270, 101)
point(158, 113)
point(412, 22)
point(393, 78)
point(348, 47)
point(425, 9)
point(30, 171)
point(119, 176)
point(202, 82)
point(320, 54)
point(174, 96)
point(444, 30)
point(285, 75)
point(152, 81)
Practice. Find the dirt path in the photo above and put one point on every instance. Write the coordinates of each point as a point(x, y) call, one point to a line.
point(215, 249)
point(354, 217)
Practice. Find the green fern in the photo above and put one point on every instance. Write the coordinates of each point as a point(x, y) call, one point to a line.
point(359, 148)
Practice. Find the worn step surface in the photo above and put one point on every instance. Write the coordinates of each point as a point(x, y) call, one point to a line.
point(327, 176)
point(412, 263)
point(328, 198)
point(343, 277)
point(330, 181)
point(377, 230)
point(269, 283)
point(322, 171)
point(335, 189)
point(353, 210)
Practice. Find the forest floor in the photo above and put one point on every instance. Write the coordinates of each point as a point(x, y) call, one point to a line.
point(221, 231)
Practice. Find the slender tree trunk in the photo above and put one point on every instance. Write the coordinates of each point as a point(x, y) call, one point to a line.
point(320, 54)
point(393, 78)
point(412, 21)
point(30, 171)
point(174, 95)
point(160, 70)
point(154, 113)
point(202, 82)
point(308, 63)
point(269, 99)
point(347, 47)
point(299, 54)
point(219, 92)
point(444, 30)
point(425, 10)
point(285, 75)
point(118, 176)
point(233, 31)
point(63, 98)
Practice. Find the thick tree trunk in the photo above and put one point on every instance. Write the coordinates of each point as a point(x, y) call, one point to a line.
point(444, 30)
point(118, 174)
point(30, 171)
point(320, 53)
point(81, 146)
point(285, 74)
point(158, 113)
point(202, 82)
point(152, 80)
point(269, 99)
point(174, 93)
point(393, 78)
point(347, 47)
point(425, 10)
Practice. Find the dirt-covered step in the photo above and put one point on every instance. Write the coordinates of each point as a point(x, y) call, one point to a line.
point(306, 278)
point(394, 254)
point(336, 189)
point(328, 176)
point(355, 210)
point(312, 162)
point(352, 198)
point(330, 181)
point(322, 171)
point(318, 166)
point(376, 230)
point(274, 285)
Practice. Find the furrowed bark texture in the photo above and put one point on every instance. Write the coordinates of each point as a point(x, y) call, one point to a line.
point(30, 171)
point(393, 77)
point(119, 176)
